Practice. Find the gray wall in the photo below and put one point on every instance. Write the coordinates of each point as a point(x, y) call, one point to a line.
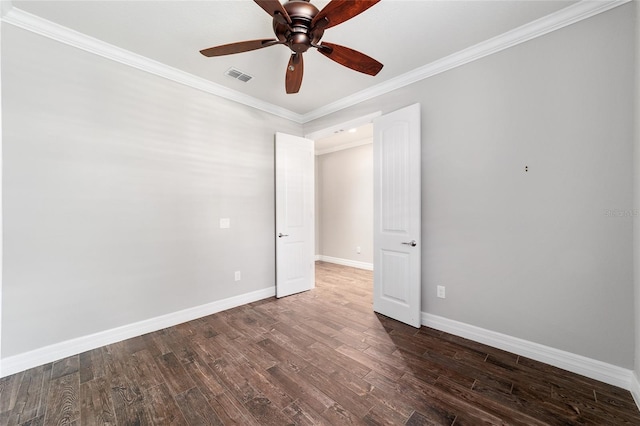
point(318, 218)
point(531, 254)
point(346, 203)
point(1, 229)
point(636, 194)
point(114, 183)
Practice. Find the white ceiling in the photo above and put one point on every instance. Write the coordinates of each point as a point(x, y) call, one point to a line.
point(345, 138)
point(402, 34)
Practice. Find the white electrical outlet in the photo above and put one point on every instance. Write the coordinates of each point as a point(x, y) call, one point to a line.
point(441, 294)
point(238, 277)
point(358, 250)
point(225, 222)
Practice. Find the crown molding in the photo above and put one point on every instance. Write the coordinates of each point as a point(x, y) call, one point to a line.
point(555, 21)
point(43, 27)
point(560, 19)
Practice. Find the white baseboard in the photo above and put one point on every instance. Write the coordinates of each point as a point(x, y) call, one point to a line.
point(579, 364)
point(594, 369)
point(345, 262)
point(24, 361)
point(635, 389)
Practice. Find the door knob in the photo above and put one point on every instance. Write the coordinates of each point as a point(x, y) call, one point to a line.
point(411, 243)
point(280, 235)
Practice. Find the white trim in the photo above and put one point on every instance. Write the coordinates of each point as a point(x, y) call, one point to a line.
point(555, 21)
point(560, 19)
point(635, 389)
point(579, 364)
point(49, 29)
point(356, 122)
point(24, 361)
point(361, 142)
point(346, 262)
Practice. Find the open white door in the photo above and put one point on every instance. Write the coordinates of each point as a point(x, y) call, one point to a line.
point(295, 246)
point(396, 215)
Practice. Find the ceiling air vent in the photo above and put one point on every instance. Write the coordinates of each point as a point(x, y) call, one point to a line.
point(237, 74)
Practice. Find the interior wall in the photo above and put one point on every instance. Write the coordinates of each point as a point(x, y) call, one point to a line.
point(543, 255)
point(346, 203)
point(636, 190)
point(318, 207)
point(114, 184)
point(1, 162)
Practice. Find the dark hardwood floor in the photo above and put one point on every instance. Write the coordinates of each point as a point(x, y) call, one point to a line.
point(320, 357)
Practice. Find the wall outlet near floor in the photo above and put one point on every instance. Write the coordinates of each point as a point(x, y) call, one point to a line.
point(441, 292)
point(358, 250)
point(238, 276)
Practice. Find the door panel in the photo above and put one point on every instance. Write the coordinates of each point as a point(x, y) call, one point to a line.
point(295, 267)
point(397, 215)
point(394, 266)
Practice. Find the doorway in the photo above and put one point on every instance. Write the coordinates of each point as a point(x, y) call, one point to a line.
point(344, 197)
point(334, 140)
point(396, 181)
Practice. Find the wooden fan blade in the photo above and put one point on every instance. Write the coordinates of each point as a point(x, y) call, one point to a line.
point(338, 11)
point(295, 70)
point(274, 8)
point(241, 46)
point(350, 58)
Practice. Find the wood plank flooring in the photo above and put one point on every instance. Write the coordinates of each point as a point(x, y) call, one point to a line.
point(317, 358)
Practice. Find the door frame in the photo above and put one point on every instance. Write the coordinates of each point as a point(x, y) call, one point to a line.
point(328, 131)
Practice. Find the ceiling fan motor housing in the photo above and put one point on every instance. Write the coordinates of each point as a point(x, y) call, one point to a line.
point(298, 35)
point(299, 25)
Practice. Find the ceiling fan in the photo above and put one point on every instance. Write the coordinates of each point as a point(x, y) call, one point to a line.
point(300, 25)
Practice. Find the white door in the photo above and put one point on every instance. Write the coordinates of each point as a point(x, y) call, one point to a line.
point(295, 244)
point(396, 215)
